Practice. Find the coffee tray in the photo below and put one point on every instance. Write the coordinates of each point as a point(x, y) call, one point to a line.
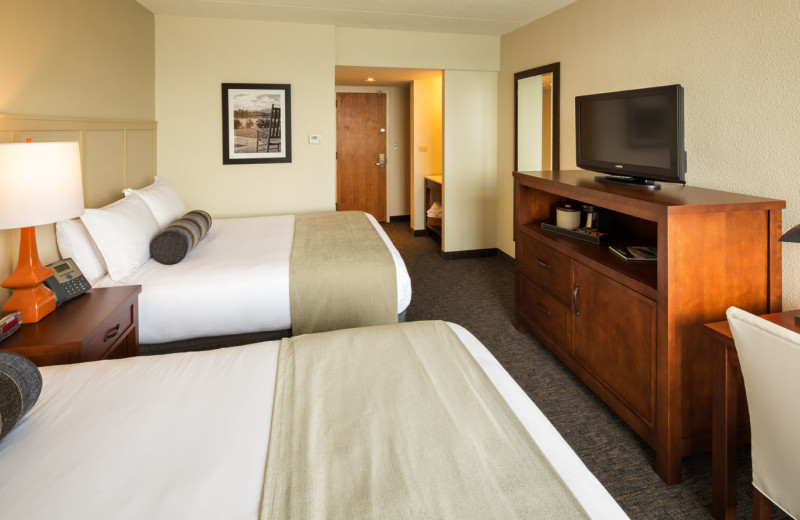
point(585, 234)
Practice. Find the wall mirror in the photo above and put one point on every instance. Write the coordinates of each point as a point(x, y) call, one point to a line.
point(536, 118)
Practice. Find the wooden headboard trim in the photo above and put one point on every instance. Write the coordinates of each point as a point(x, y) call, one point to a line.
point(15, 128)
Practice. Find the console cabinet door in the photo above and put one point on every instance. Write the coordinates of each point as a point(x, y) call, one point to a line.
point(614, 338)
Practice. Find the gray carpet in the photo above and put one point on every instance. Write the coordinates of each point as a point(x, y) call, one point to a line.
point(479, 294)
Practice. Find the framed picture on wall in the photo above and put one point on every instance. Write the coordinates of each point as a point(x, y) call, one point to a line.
point(256, 123)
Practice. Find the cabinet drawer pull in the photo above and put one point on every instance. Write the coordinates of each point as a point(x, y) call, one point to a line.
point(543, 264)
point(112, 333)
point(575, 299)
point(544, 311)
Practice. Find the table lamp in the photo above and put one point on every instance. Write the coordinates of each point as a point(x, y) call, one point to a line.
point(793, 235)
point(40, 183)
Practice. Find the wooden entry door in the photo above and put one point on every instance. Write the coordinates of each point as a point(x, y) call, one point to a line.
point(360, 141)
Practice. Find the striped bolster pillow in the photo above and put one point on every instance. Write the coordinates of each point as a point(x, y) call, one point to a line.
point(20, 385)
point(176, 240)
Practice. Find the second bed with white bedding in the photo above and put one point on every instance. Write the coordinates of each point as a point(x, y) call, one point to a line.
point(208, 294)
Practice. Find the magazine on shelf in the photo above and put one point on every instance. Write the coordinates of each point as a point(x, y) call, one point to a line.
point(635, 253)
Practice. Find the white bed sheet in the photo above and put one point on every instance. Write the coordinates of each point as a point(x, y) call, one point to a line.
point(186, 436)
point(208, 295)
point(156, 437)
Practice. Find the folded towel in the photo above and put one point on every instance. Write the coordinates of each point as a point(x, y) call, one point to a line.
point(435, 210)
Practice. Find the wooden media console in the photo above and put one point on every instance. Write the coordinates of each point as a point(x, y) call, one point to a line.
point(631, 330)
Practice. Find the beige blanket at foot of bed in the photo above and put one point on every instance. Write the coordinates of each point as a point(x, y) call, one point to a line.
point(341, 274)
point(400, 422)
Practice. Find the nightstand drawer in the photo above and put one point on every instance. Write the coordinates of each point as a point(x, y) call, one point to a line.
point(109, 334)
point(100, 324)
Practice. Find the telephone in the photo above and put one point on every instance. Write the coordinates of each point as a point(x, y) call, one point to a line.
point(67, 282)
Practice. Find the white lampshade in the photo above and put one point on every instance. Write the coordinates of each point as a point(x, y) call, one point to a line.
point(40, 183)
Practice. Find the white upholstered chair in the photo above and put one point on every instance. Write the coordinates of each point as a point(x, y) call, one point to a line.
point(770, 359)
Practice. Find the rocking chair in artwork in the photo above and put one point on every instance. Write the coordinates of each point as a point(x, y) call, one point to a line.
point(274, 138)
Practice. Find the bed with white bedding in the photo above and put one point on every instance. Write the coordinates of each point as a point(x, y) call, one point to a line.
point(208, 295)
point(233, 283)
point(188, 435)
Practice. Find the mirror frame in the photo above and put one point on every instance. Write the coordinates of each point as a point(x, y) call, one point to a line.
point(555, 69)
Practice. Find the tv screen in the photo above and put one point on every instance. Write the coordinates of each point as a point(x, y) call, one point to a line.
point(636, 134)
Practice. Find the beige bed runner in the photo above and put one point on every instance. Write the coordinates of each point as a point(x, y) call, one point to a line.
point(400, 422)
point(341, 274)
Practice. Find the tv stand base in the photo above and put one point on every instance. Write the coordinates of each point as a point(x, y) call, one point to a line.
point(629, 181)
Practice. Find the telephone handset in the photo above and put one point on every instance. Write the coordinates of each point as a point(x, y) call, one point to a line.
point(67, 282)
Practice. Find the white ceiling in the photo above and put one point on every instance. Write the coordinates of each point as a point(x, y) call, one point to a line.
point(490, 17)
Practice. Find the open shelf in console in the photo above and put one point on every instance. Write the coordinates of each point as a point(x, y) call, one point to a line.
point(639, 276)
point(625, 225)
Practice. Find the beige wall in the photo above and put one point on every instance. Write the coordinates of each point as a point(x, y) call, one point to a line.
point(470, 160)
point(465, 56)
point(737, 61)
point(426, 141)
point(420, 50)
point(397, 133)
point(398, 184)
point(87, 58)
point(194, 56)
point(446, 52)
point(530, 108)
point(385, 48)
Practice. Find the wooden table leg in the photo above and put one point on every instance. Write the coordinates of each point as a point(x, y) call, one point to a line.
point(724, 436)
point(762, 506)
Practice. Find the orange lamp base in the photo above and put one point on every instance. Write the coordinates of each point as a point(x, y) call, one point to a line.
point(31, 297)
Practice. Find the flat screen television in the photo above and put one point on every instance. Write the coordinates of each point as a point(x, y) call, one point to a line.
point(635, 135)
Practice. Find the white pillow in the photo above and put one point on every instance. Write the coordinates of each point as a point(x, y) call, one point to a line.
point(163, 201)
point(122, 232)
point(74, 242)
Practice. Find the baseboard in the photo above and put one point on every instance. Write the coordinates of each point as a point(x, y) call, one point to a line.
point(419, 232)
point(400, 218)
point(470, 253)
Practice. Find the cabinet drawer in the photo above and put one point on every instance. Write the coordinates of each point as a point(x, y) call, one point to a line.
point(548, 267)
point(545, 310)
point(109, 333)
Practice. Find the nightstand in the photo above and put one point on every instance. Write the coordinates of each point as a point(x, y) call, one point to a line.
point(101, 324)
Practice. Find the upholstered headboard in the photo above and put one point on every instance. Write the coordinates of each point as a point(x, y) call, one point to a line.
point(115, 154)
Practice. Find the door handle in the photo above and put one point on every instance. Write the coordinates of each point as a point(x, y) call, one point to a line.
point(575, 299)
point(381, 161)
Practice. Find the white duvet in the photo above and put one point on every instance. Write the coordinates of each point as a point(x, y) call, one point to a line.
point(186, 436)
point(207, 294)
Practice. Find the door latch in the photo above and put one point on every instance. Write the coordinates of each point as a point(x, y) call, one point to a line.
point(381, 160)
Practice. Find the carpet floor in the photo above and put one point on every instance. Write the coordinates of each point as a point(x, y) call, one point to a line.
point(478, 293)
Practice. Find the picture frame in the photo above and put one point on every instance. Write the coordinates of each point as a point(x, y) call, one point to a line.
point(256, 123)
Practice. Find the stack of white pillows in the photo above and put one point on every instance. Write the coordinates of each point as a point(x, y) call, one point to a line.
point(115, 239)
